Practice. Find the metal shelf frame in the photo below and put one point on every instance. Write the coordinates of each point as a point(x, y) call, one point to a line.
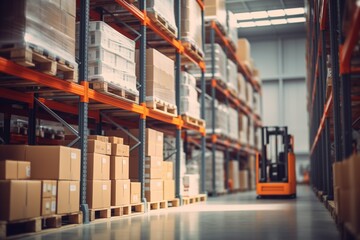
point(330, 117)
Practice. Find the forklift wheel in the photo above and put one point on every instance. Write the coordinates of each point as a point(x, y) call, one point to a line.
point(258, 197)
point(293, 196)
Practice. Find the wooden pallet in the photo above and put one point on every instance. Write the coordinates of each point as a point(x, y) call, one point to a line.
point(194, 199)
point(162, 106)
point(59, 220)
point(127, 210)
point(41, 60)
point(114, 91)
point(102, 213)
point(18, 227)
point(157, 205)
point(193, 121)
point(173, 203)
point(162, 23)
point(194, 50)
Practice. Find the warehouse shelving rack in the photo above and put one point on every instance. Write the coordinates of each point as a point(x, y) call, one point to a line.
point(333, 111)
point(83, 97)
point(218, 91)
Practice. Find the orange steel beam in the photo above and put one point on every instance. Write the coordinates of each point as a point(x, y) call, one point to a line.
point(9, 67)
point(164, 118)
point(16, 96)
point(201, 4)
point(355, 69)
point(323, 15)
point(350, 42)
point(322, 122)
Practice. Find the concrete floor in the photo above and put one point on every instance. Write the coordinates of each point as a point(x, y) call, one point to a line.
point(234, 216)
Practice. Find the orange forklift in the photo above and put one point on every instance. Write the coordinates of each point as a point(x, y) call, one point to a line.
point(275, 171)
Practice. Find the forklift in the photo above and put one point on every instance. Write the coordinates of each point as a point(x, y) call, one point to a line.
point(275, 166)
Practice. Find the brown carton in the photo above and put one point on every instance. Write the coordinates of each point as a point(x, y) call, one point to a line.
point(154, 190)
point(96, 146)
point(20, 199)
point(68, 196)
point(119, 150)
point(116, 140)
point(169, 189)
point(69, 7)
point(49, 188)
point(8, 170)
point(23, 170)
point(243, 50)
point(167, 170)
point(355, 192)
point(108, 148)
point(154, 142)
point(243, 180)
point(48, 206)
point(98, 166)
point(98, 193)
point(153, 167)
point(120, 192)
point(119, 167)
point(135, 192)
point(344, 205)
point(54, 162)
point(99, 138)
point(14, 152)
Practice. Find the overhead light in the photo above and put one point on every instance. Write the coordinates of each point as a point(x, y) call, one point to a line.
point(276, 13)
point(278, 21)
point(246, 24)
point(294, 11)
point(243, 16)
point(296, 20)
point(259, 14)
point(263, 23)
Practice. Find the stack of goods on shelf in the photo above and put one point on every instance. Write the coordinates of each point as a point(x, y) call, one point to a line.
point(242, 87)
point(192, 177)
point(57, 168)
point(168, 180)
point(249, 95)
point(251, 134)
point(252, 173)
point(189, 104)
point(243, 53)
point(191, 28)
point(222, 118)
point(243, 129)
point(33, 30)
point(244, 180)
point(216, 10)
point(162, 12)
point(160, 81)
point(232, 29)
point(234, 175)
point(233, 123)
point(219, 173)
point(231, 77)
point(111, 58)
point(98, 176)
point(257, 104)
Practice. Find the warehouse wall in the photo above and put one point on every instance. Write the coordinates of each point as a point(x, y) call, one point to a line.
point(281, 62)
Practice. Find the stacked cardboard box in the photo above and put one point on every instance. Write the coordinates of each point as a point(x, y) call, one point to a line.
point(216, 10)
point(98, 192)
point(160, 78)
point(342, 201)
point(47, 24)
point(191, 23)
point(189, 103)
point(354, 167)
point(233, 123)
point(191, 185)
point(244, 180)
point(221, 115)
point(168, 180)
point(243, 133)
point(234, 174)
point(252, 174)
point(231, 76)
point(111, 56)
point(241, 87)
point(219, 172)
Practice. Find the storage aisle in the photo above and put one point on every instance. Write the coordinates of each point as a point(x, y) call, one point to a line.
point(236, 216)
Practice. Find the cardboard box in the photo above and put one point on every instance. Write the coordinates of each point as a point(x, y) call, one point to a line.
point(99, 138)
point(108, 149)
point(120, 150)
point(116, 140)
point(98, 193)
point(69, 7)
point(243, 180)
point(119, 167)
point(68, 196)
point(13, 152)
point(234, 174)
point(167, 170)
point(23, 170)
point(153, 167)
point(20, 199)
point(49, 188)
point(98, 166)
point(344, 205)
point(243, 50)
point(169, 189)
point(154, 142)
point(48, 206)
point(191, 185)
point(154, 190)
point(355, 192)
point(135, 192)
point(54, 162)
point(120, 192)
point(8, 170)
point(96, 146)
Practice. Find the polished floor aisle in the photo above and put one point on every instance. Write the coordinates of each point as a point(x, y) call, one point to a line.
point(234, 216)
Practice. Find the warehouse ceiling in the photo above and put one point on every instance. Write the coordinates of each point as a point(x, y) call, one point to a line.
point(251, 6)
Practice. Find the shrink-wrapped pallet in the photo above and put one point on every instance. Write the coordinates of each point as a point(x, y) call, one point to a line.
point(232, 28)
point(219, 172)
point(231, 76)
point(163, 9)
point(189, 103)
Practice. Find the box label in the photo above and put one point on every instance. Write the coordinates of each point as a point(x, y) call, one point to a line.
point(45, 187)
point(124, 162)
point(125, 186)
point(53, 191)
point(53, 206)
point(103, 160)
point(28, 171)
point(104, 187)
point(72, 188)
point(73, 156)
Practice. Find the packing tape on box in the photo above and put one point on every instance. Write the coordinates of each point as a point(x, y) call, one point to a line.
point(104, 187)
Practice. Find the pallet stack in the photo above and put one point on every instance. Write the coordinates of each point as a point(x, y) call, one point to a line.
point(234, 175)
point(168, 180)
point(189, 104)
point(111, 57)
point(219, 173)
point(244, 180)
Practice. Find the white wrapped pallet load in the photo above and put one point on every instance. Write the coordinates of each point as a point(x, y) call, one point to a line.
point(163, 9)
point(191, 23)
point(250, 95)
point(221, 118)
point(234, 174)
point(219, 172)
point(232, 76)
point(232, 28)
point(244, 129)
point(242, 88)
point(233, 124)
point(189, 103)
